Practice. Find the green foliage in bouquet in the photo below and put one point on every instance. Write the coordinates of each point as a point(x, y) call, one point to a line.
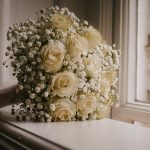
point(64, 69)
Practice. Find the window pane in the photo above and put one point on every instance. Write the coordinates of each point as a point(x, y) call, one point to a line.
point(143, 48)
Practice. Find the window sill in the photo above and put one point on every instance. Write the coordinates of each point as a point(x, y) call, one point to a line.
point(132, 113)
point(103, 134)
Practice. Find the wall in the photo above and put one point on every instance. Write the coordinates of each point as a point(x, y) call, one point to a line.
point(12, 11)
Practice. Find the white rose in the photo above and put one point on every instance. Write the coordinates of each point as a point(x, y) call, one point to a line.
point(52, 56)
point(65, 84)
point(61, 21)
point(110, 76)
point(104, 88)
point(92, 65)
point(65, 110)
point(102, 111)
point(86, 105)
point(76, 45)
point(93, 37)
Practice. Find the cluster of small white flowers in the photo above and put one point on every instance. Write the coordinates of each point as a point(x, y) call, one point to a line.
point(59, 71)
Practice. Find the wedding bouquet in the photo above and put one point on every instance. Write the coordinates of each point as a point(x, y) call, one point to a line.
point(65, 70)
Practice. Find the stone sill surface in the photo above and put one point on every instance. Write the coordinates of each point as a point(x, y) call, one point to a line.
point(105, 134)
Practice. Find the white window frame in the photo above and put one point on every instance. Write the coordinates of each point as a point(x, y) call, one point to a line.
point(125, 36)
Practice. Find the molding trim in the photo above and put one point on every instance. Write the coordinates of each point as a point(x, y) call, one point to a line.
point(106, 19)
point(22, 139)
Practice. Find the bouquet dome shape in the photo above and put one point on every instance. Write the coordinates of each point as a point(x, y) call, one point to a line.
point(65, 70)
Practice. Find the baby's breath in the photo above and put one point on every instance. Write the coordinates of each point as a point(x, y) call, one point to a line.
point(64, 69)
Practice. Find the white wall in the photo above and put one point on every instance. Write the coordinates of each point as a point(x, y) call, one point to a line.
point(12, 11)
